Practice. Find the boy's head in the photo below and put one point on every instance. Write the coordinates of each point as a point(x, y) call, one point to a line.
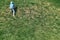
point(12, 2)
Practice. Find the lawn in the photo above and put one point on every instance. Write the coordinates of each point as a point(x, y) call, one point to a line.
point(34, 20)
point(55, 2)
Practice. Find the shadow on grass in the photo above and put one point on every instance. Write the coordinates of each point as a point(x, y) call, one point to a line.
point(15, 9)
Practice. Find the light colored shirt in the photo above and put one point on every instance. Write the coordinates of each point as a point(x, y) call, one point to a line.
point(12, 6)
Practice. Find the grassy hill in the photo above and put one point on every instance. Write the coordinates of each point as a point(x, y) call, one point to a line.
point(34, 20)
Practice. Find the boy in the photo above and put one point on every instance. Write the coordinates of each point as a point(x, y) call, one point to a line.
point(12, 7)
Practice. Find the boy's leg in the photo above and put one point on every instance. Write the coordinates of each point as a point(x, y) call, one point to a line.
point(13, 12)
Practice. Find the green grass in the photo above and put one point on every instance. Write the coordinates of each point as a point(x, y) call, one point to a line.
point(34, 20)
point(55, 2)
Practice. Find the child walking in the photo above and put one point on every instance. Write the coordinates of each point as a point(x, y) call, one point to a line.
point(12, 7)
